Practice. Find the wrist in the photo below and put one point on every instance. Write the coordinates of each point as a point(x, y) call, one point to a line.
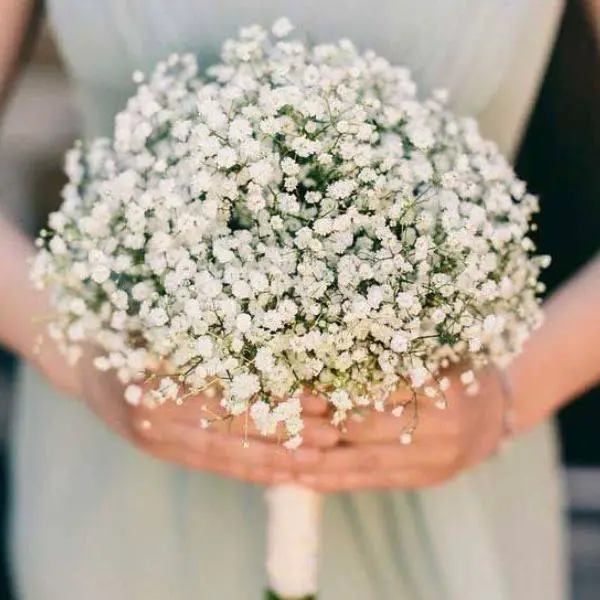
point(531, 402)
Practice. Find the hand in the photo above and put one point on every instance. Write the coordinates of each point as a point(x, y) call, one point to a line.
point(445, 442)
point(174, 433)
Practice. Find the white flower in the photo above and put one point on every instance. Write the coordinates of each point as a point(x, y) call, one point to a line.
point(262, 417)
point(467, 377)
point(258, 281)
point(226, 158)
point(264, 360)
point(133, 394)
point(120, 299)
point(341, 189)
point(241, 289)
point(420, 136)
point(78, 306)
point(57, 245)
point(244, 386)
point(204, 346)
point(261, 172)
point(405, 300)
point(341, 400)
point(293, 443)
point(141, 291)
point(100, 273)
point(399, 342)
point(289, 166)
point(438, 315)
point(239, 129)
point(157, 316)
point(375, 296)
point(282, 27)
point(419, 375)
point(243, 322)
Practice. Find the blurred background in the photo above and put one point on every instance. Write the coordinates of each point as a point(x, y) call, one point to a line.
point(560, 158)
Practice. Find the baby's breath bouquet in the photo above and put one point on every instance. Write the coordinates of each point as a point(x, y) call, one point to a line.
point(293, 218)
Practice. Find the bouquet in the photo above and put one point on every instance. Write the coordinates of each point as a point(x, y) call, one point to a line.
point(293, 218)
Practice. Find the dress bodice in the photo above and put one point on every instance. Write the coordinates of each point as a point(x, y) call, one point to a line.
point(466, 46)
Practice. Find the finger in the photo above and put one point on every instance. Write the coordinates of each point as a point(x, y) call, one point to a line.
point(388, 426)
point(318, 432)
point(364, 481)
point(217, 446)
point(198, 410)
point(384, 457)
point(313, 404)
point(377, 427)
point(205, 405)
point(210, 403)
point(225, 467)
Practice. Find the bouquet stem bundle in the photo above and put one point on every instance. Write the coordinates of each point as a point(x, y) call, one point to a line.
point(294, 516)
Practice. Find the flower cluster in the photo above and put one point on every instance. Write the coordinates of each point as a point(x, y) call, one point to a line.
point(294, 217)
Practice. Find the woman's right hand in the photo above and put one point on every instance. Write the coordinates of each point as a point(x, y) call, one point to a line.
point(174, 433)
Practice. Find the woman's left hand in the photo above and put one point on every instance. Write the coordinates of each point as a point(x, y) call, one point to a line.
point(445, 442)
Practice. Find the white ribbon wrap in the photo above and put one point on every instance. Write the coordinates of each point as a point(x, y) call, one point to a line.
point(293, 539)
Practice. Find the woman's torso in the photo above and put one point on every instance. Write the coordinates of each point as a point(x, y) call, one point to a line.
point(96, 519)
point(467, 46)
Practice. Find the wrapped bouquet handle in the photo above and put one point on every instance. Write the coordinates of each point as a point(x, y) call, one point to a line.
point(293, 533)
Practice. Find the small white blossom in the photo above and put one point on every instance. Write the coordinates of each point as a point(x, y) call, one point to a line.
point(243, 322)
point(204, 346)
point(244, 386)
point(264, 360)
point(282, 27)
point(467, 377)
point(133, 394)
point(399, 342)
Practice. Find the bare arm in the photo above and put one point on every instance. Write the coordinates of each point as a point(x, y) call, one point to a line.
point(15, 18)
point(22, 310)
point(562, 359)
point(19, 304)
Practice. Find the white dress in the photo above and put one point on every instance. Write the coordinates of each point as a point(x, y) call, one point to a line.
point(95, 519)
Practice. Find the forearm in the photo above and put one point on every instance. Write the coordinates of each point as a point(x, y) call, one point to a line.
point(21, 308)
point(15, 16)
point(562, 359)
point(17, 300)
point(24, 311)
